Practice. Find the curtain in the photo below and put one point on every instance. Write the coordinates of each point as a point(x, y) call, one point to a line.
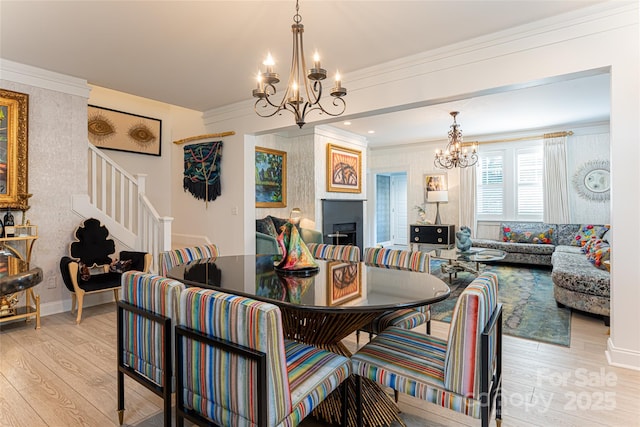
point(554, 181)
point(468, 198)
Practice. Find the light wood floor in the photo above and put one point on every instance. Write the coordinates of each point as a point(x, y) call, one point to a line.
point(65, 375)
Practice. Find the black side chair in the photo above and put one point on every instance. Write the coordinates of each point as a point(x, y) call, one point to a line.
point(90, 269)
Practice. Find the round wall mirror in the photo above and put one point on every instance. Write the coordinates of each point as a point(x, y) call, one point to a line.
point(591, 181)
point(597, 180)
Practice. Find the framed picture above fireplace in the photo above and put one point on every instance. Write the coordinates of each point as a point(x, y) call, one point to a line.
point(344, 169)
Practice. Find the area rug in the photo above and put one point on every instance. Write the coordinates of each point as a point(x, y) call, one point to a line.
point(528, 307)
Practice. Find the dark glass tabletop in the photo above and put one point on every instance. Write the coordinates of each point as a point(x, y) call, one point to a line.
point(335, 285)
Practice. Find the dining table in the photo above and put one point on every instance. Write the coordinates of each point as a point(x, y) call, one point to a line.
point(322, 305)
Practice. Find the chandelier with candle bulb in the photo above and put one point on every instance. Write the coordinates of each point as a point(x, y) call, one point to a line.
point(455, 155)
point(304, 91)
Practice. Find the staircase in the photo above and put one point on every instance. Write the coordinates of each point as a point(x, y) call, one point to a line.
point(118, 200)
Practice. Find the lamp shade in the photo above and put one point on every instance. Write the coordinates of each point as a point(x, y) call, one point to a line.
point(437, 196)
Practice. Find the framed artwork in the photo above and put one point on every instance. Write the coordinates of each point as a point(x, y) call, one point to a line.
point(14, 125)
point(344, 282)
point(271, 178)
point(344, 169)
point(435, 182)
point(116, 130)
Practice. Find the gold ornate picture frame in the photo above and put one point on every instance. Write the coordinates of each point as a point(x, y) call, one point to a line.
point(344, 169)
point(14, 163)
point(120, 131)
point(271, 178)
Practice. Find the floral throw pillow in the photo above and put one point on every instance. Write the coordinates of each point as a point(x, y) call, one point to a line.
point(525, 236)
point(599, 252)
point(588, 232)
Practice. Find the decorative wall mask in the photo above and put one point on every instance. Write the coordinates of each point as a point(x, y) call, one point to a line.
point(202, 170)
point(591, 180)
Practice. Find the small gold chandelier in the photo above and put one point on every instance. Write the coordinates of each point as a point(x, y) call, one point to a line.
point(310, 83)
point(455, 155)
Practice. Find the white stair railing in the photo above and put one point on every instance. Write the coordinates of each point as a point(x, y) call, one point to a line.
point(121, 198)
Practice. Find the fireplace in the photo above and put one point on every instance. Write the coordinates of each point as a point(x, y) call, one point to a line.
point(342, 222)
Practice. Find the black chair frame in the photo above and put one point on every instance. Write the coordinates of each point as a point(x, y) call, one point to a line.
point(490, 385)
point(257, 356)
point(162, 391)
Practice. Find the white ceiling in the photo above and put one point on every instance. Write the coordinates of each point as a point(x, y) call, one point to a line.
point(205, 54)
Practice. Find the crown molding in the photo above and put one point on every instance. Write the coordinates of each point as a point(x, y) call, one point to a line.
point(44, 79)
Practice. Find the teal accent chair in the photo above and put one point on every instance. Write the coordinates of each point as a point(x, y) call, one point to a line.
point(234, 367)
point(144, 335)
point(463, 373)
point(267, 245)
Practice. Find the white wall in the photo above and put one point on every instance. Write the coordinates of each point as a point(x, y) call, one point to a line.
point(585, 40)
point(585, 146)
point(57, 168)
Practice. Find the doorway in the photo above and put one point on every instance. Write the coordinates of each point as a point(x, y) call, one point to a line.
point(391, 209)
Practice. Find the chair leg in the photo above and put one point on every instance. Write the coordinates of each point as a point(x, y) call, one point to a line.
point(73, 302)
point(116, 294)
point(120, 397)
point(359, 421)
point(345, 402)
point(396, 395)
point(499, 405)
point(428, 327)
point(80, 297)
point(358, 339)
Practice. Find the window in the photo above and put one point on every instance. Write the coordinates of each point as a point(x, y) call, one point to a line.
point(510, 182)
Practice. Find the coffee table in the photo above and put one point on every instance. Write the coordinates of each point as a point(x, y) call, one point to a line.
point(464, 261)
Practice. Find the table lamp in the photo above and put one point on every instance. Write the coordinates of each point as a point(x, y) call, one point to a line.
point(295, 216)
point(437, 197)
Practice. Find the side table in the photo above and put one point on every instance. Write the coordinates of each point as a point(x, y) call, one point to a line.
point(16, 276)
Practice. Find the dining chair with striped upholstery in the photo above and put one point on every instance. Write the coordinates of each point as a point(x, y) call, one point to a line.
point(462, 373)
point(234, 367)
point(334, 252)
point(402, 260)
point(170, 259)
point(146, 314)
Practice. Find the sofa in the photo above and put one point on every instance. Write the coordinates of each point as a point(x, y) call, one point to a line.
point(576, 253)
point(267, 230)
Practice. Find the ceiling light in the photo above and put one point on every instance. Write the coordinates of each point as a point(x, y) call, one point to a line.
point(299, 85)
point(347, 123)
point(455, 155)
point(371, 131)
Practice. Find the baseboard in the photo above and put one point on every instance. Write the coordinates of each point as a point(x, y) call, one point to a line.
point(63, 306)
point(622, 358)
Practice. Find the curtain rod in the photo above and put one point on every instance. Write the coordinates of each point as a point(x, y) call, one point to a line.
point(522, 138)
point(206, 136)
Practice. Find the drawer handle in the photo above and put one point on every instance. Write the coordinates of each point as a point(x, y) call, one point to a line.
point(439, 230)
point(439, 239)
point(417, 239)
point(417, 230)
